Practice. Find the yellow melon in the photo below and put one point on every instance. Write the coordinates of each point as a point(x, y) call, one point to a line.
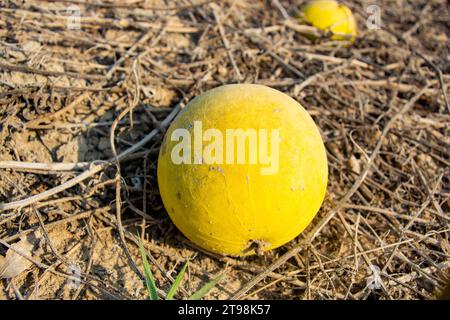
point(330, 16)
point(242, 169)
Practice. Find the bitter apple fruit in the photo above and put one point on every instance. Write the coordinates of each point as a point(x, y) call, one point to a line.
point(330, 16)
point(242, 169)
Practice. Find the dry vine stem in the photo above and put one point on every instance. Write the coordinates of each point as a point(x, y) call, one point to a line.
point(44, 166)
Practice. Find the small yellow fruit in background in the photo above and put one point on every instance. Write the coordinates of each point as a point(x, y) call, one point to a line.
point(238, 206)
point(330, 16)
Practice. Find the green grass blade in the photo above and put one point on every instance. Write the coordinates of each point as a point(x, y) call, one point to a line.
point(149, 280)
point(176, 283)
point(205, 289)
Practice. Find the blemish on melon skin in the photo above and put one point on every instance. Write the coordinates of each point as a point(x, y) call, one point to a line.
point(220, 170)
point(300, 187)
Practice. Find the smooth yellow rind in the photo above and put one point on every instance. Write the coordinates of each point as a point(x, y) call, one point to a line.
point(329, 15)
point(224, 207)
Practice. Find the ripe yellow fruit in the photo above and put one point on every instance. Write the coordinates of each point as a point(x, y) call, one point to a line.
point(235, 205)
point(330, 16)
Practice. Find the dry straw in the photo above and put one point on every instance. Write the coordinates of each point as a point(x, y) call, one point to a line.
point(83, 113)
